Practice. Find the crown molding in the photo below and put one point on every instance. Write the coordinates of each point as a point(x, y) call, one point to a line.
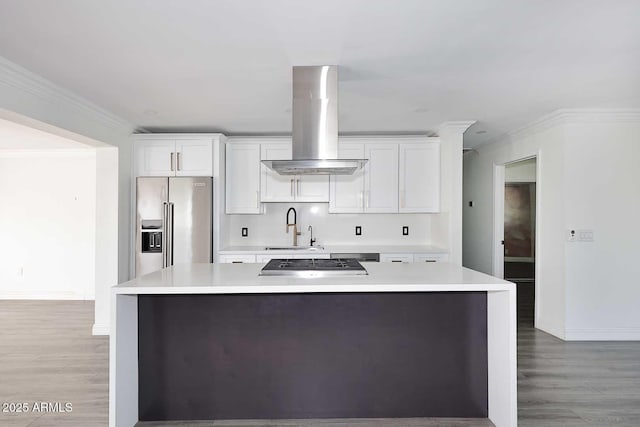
point(569, 116)
point(459, 126)
point(14, 75)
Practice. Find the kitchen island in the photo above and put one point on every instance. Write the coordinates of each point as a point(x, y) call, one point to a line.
point(217, 341)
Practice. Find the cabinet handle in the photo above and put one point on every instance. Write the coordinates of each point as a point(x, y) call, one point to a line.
point(178, 161)
point(298, 187)
point(171, 162)
point(362, 199)
point(429, 260)
point(291, 187)
point(236, 262)
point(257, 199)
point(367, 196)
point(396, 260)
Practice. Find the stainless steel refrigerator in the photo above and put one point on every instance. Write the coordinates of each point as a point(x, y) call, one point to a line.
point(174, 222)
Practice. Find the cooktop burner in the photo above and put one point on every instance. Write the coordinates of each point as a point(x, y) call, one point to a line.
point(313, 267)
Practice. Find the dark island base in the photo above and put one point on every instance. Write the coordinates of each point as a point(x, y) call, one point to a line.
point(288, 356)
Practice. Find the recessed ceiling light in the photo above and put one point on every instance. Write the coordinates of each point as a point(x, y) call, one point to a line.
point(151, 112)
point(481, 131)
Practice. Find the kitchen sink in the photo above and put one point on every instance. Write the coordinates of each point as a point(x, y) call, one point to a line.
point(294, 248)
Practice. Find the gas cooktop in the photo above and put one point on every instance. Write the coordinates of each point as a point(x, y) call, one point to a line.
point(311, 267)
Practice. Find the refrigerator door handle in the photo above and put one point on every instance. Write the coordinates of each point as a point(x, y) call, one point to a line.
point(165, 232)
point(170, 236)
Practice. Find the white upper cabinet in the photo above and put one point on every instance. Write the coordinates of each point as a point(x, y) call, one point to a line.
point(347, 191)
point(419, 177)
point(155, 157)
point(289, 188)
point(276, 187)
point(194, 157)
point(242, 178)
point(174, 156)
point(381, 178)
point(374, 188)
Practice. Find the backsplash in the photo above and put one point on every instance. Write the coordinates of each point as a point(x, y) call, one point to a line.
point(328, 229)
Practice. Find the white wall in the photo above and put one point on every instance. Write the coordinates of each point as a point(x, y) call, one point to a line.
point(603, 277)
point(47, 224)
point(329, 229)
point(585, 180)
point(29, 99)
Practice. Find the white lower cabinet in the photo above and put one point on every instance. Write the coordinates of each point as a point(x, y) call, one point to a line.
point(430, 257)
point(236, 259)
point(269, 257)
point(396, 257)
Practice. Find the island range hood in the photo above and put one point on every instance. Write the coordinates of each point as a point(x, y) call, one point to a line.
point(315, 126)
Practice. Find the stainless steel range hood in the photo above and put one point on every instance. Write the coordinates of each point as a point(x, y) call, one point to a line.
point(315, 126)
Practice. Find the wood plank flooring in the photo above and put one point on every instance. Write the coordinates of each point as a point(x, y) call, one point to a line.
point(47, 354)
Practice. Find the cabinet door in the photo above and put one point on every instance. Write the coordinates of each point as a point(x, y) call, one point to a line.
point(312, 188)
point(396, 257)
point(194, 157)
point(381, 178)
point(347, 191)
point(430, 257)
point(236, 259)
point(243, 178)
point(276, 187)
point(419, 177)
point(155, 157)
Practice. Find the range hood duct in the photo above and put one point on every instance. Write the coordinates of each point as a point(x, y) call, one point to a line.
point(315, 126)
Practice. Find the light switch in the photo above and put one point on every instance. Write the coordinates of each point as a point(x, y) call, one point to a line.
point(572, 236)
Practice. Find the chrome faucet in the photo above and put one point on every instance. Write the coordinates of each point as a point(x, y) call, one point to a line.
point(312, 240)
point(293, 224)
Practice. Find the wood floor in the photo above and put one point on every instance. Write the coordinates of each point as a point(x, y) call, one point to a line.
point(47, 354)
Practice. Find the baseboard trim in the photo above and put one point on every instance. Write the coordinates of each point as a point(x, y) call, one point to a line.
point(558, 333)
point(42, 295)
point(100, 329)
point(603, 334)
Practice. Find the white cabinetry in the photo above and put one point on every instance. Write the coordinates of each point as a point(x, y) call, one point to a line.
point(269, 257)
point(414, 257)
point(430, 257)
point(173, 156)
point(396, 257)
point(242, 178)
point(374, 188)
point(419, 181)
point(236, 259)
point(289, 188)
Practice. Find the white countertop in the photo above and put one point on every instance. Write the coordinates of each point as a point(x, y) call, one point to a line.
point(243, 278)
point(427, 249)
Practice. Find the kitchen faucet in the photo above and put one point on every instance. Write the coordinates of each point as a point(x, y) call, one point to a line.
point(293, 224)
point(312, 240)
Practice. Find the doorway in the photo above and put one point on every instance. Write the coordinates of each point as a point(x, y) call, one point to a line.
point(520, 234)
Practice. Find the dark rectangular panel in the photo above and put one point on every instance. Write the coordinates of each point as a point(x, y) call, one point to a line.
point(360, 355)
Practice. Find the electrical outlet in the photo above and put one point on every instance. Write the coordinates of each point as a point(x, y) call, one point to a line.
point(585, 235)
point(245, 231)
point(405, 230)
point(358, 230)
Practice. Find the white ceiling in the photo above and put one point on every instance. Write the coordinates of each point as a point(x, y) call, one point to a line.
point(14, 136)
point(405, 65)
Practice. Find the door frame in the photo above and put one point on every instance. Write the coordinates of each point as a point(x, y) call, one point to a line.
point(499, 180)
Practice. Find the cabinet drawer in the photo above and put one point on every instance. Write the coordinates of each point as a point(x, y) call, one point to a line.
point(396, 257)
point(431, 258)
point(234, 259)
point(269, 257)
